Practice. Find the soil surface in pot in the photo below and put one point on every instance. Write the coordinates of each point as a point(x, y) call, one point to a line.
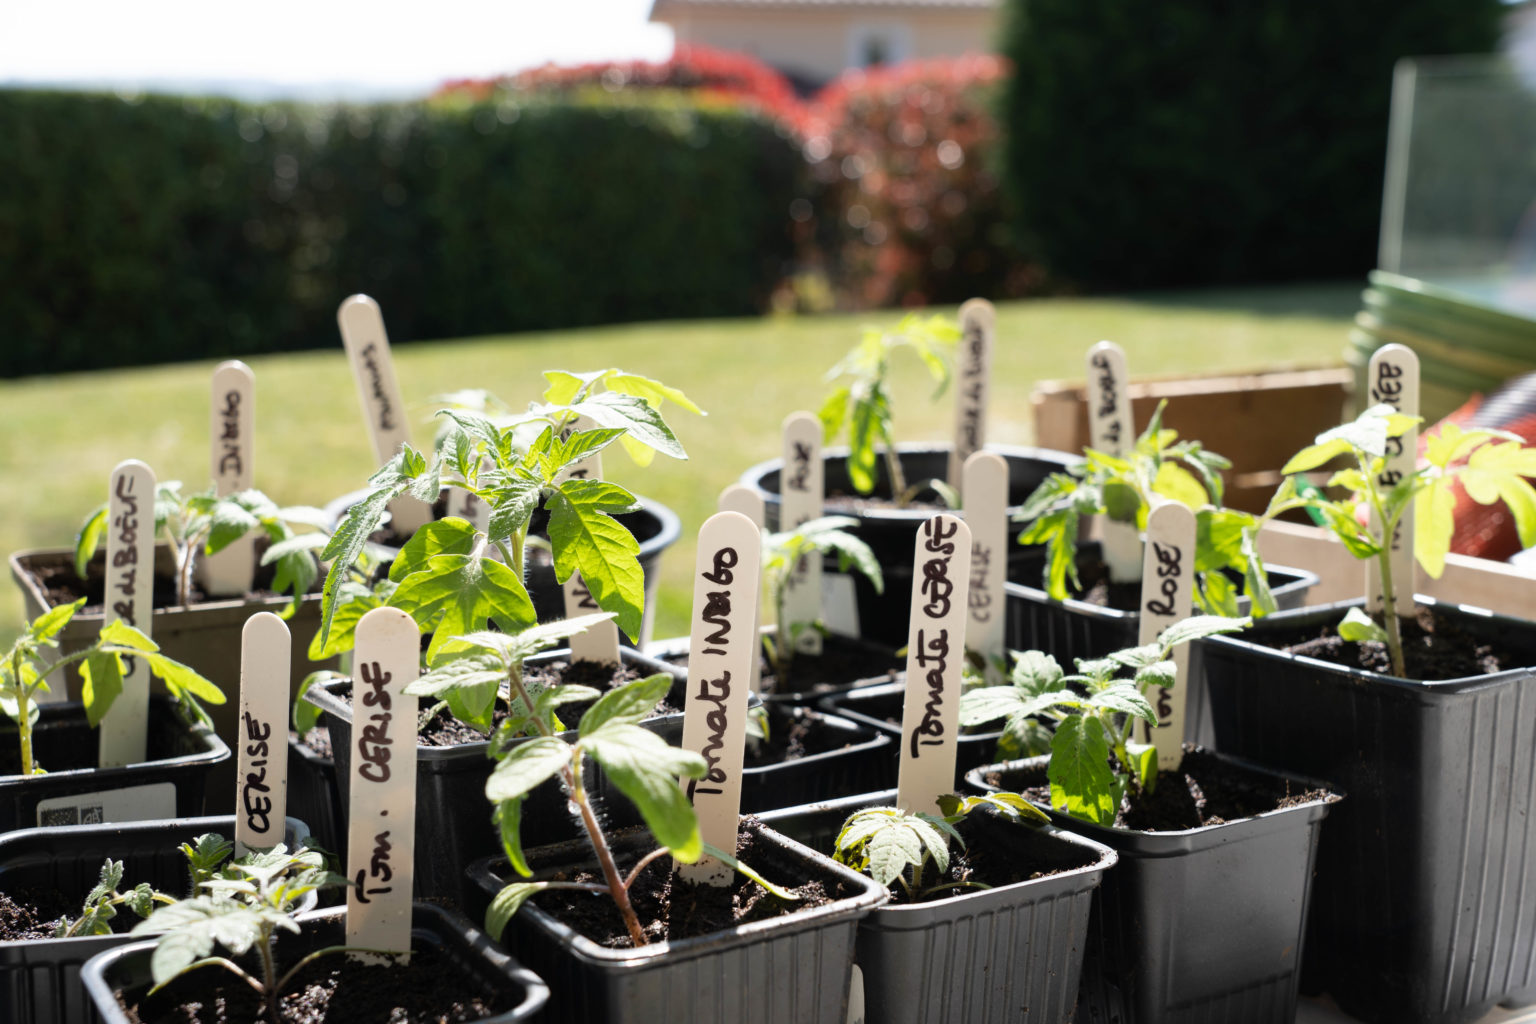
point(1434, 647)
point(1205, 792)
point(670, 908)
point(32, 912)
point(430, 989)
point(317, 739)
point(62, 585)
point(792, 736)
point(985, 860)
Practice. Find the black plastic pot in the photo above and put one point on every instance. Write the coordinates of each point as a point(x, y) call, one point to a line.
point(314, 796)
point(789, 968)
point(484, 968)
point(179, 755)
point(892, 532)
point(453, 817)
point(1007, 955)
point(654, 525)
point(40, 978)
point(1202, 925)
point(812, 682)
point(1426, 879)
point(879, 707)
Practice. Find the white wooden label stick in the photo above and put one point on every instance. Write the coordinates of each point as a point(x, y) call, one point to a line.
point(1167, 591)
point(261, 784)
point(362, 334)
point(747, 501)
point(381, 837)
point(129, 596)
point(1393, 379)
point(973, 372)
point(1112, 431)
point(722, 647)
point(801, 494)
point(930, 715)
point(600, 643)
point(233, 430)
point(986, 513)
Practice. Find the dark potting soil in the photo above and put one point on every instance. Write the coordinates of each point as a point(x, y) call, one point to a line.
point(62, 585)
point(1435, 647)
point(794, 733)
point(985, 860)
point(1204, 792)
point(430, 989)
point(32, 912)
point(317, 740)
point(670, 908)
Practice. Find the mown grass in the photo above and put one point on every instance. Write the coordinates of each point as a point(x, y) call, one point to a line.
point(61, 436)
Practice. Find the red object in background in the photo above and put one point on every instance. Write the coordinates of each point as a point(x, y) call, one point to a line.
point(1488, 531)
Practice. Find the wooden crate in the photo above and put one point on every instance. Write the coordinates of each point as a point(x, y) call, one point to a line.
point(1257, 420)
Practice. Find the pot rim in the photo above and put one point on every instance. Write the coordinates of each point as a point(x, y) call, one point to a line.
point(831, 704)
point(214, 749)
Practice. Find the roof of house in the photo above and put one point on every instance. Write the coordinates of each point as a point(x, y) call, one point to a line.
point(662, 7)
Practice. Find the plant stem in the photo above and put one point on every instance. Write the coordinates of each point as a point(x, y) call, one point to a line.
point(23, 719)
point(898, 479)
point(269, 974)
point(1388, 589)
point(646, 861)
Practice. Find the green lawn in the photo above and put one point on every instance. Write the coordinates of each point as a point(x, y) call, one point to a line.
point(61, 436)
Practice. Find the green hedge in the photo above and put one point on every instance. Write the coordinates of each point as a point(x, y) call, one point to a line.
point(1192, 141)
point(165, 229)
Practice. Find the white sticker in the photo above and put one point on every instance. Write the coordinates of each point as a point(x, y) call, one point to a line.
point(930, 716)
point(261, 781)
point(373, 370)
point(749, 502)
point(856, 996)
point(600, 643)
point(232, 432)
point(973, 372)
point(1112, 431)
point(381, 836)
point(130, 597)
point(1393, 379)
point(133, 803)
point(722, 647)
point(1167, 592)
point(801, 495)
point(986, 513)
point(840, 603)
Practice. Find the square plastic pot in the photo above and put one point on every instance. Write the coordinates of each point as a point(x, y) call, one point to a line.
point(879, 707)
point(1426, 879)
point(1202, 926)
point(453, 817)
point(483, 967)
point(204, 635)
point(182, 758)
point(791, 968)
point(891, 532)
point(314, 796)
point(840, 654)
point(40, 978)
point(1007, 955)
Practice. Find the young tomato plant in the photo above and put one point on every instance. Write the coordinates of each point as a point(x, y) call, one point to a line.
point(895, 847)
point(207, 523)
point(205, 855)
point(242, 908)
point(1159, 467)
point(1093, 761)
point(862, 405)
point(27, 665)
point(1491, 465)
point(782, 554)
point(445, 576)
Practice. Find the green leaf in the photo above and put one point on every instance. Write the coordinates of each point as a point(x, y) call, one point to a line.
point(52, 622)
point(1164, 674)
point(833, 414)
point(634, 415)
point(182, 679)
point(1125, 698)
point(306, 715)
point(525, 766)
point(988, 704)
point(1122, 502)
point(653, 391)
point(101, 675)
point(1358, 627)
point(1010, 805)
point(1434, 524)
point(468, 591)
point(447, 536)
point(645, 769)
point(508, 818)
point(1035, 672)
point(628, 704)
point(1315, 455)
point(506, 905)
point(891, 850)
point(730, 861)
point(1198, 626)
point(587, 539)
point(118, 632)
point(515, 502)
point(89, 539)
point(475, 426)
point(1081, 781)
point(347, 543)
point(231, 519)
point(456, 672)
point(1143, 764)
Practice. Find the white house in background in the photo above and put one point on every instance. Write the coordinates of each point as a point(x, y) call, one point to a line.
point(812, 41)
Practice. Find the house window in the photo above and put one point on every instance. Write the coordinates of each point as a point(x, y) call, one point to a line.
point(871, 44)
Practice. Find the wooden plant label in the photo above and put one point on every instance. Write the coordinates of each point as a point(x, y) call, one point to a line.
point(362, 335)
point(129, 596)
point(1112, 431)
point(601, 642)
point(747, 501)
point(1393, 379)
point(261, 784)
point(722, 647)
point(381, 837)
point(973, 372)
point(801, 494)
point(986, 513)
point(1167, 593)
point(930, 715)
point(230, 572)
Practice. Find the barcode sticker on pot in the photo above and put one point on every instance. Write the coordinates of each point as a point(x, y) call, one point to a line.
point(1393, 379)
point(930, 716)
point(722, 646)
point(232, 427)
point(1167, 592)
point(381, 836)
point(747, 501)
point(986, 513)
point(132, 803)
point(801, 493)
point(129, 597)
point(261, 781)
point(973, 372)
